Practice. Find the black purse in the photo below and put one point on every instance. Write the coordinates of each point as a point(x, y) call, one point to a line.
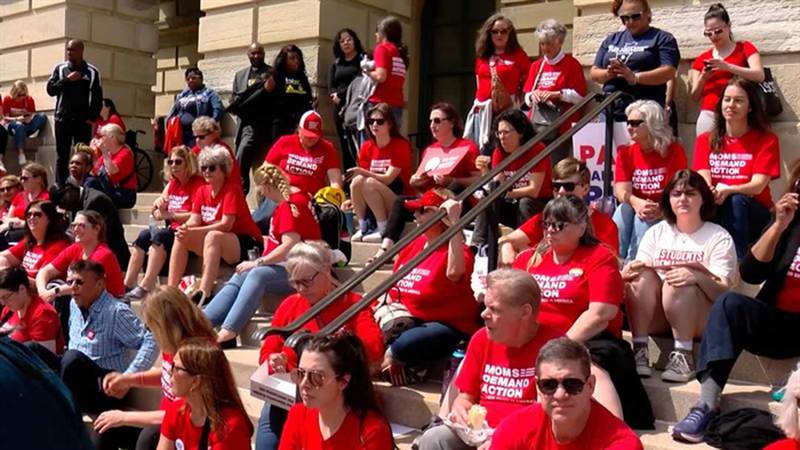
point(768, 94)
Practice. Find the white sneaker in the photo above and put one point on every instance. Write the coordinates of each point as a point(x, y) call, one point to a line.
point(680, 368)
point(357, 236)
point(374, 238)
point(22, 159)
point(642, 357)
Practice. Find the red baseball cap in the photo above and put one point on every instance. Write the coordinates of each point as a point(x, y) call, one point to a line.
point(311, 124)
point(430, 199)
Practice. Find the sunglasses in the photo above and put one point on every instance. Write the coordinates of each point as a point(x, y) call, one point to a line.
point(209, 168)
point(315, 379)
point(36, 214)
point(500, 31)
point(710, 33)
point(634, 123)
point(555, 225)
point(568, 186)
point(297, 284)
point(175, 162)
point(549, 386)
point(8, 188)
point(200, 136)
point(75, 282)
point(630, 17)
point(378, 122)
point(438, 120)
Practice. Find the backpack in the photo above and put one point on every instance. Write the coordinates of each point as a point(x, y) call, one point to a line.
point(355, 110)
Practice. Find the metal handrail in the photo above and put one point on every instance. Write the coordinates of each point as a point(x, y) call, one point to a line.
point(368, 297)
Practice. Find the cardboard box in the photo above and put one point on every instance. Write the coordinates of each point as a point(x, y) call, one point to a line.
point(276, 389)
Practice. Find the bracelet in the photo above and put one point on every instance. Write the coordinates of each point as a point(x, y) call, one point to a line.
point(635, 78)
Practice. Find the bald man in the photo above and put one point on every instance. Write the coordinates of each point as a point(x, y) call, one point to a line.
point(77, 87)
point(252, 100)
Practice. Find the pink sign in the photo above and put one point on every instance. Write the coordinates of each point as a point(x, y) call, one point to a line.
point(439, 162)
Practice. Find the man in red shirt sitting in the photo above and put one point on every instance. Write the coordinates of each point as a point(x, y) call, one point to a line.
point(567, 417)
point(498, 371)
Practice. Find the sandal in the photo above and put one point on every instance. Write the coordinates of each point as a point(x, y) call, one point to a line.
point(377, 255)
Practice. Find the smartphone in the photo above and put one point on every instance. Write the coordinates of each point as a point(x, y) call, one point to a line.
point(707, 65)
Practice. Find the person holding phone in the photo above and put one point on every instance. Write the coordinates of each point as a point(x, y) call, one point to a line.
point(21, 117)
point(638, 60)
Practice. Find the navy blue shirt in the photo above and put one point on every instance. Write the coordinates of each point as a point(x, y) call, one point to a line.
point(650, 50)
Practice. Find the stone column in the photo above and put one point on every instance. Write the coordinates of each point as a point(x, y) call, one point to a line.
point(527, 14)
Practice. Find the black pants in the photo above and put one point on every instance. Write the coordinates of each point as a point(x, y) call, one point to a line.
point(68, 133)
point(346, 143)
point(253, 139)
point(61, 305)
point(736, 323)
point(399, 215)
point(123, 198)
point(130, 438)
point(3, 140)
point(509, 213)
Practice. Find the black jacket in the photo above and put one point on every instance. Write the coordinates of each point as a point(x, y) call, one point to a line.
point(772, 273)
point(250, 101)
point(76, 100)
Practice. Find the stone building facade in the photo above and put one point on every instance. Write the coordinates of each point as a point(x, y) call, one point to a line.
point(142, 47)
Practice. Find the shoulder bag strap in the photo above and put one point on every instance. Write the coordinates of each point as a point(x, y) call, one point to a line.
point(203, 445)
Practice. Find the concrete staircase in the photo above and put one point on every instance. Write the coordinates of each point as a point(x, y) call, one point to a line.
point(413, 406)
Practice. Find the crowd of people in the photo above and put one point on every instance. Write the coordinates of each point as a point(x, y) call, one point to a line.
point(543, 361)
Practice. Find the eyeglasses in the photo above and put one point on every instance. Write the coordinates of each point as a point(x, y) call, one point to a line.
point(568, 186)
point(175, 162)
point(315, 378)
point(209, 168)
point(501, 133)
point(630, 17)
point(716, 32)
point(500, 31)
point(555, 225)
point(634, 123)
point(34, 214)
point(438, 120)
point(297, 284)
point(378, 122)
point(78, 225)
point(75, 282)
point(200, 136)
point(549, 386)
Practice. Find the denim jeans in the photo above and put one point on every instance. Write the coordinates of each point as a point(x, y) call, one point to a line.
point(22, 130)
point(270, 427)
point(425, 343)
point(238, 300)
point(631, 229)
point(744, 218)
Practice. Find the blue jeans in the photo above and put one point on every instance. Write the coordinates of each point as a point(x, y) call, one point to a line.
point(22, 130)
point(744, 218)
point(631, 229)
point(270, 427)
point(238, 300)
point(426, 342)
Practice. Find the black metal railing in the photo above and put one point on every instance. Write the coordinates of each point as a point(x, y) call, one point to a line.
point(294, 330)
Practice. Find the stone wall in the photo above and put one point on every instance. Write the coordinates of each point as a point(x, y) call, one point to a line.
point(772, 25)
point(177, 49)
point(527, 14)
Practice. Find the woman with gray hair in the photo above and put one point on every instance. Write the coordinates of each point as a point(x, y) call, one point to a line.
point(208, 132)
point(555, 83)
point(788, 417)
point(642, 170)
point(220, 227)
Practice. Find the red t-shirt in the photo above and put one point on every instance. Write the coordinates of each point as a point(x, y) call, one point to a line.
point(101, 254)
point(503, 378)
point(566, 74)
point(123, 159)
point(544, 166)
point(465, 167)
point(40, 324)
point(432, 297)
point(167, 397)
point(511, 68)
point(649, 172)
point(397, 153)
point(301, 432)
point(14, 107)
point(284, 221)
point(236, 172)
point(755, 152)
point(716, 82)
point(177, 426)
point(100, 123)
point(362, 325)
point(228, 201)
point(179, 196)
point(604, 229)
point(784, 444)
point(307, 169)
point(38, 256)
point(20, 202)
point(591, 275)
point(387, 56)
point(531, 429)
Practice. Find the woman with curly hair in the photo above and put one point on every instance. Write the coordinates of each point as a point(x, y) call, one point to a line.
point(293, 89)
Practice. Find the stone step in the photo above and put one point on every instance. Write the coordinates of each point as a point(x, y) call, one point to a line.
point(345, 273)
point(146, 199)
point(661, 439)
point(138, 215)
point(132, 231)
point(362, 252)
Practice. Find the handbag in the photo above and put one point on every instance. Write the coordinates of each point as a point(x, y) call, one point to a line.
point(393, 318)
point(768, 94)
point(501, 99)
point(543, 114)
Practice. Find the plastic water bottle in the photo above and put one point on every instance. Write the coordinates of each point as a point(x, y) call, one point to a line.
point(452, 367)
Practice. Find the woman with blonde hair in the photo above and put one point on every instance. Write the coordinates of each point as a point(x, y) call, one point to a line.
point(10, 186)
point(34, 187)
point(115, 167)
point(172, 318)
point(208, 407)
point(293, 221)
point(22, 120)
point(174, 206)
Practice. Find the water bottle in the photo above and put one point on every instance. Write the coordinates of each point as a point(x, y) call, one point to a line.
point(252, 254)
point(452, 366)
point(348, 220)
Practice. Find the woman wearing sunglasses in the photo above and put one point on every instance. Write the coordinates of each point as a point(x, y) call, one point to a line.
point(172, 319)
point(339, 409)
point(44, 239)
point(10, 186)
point(34, 187)
point(292, 222)
point(208, 412)
point(311, 275)
point(220, 227)
point(638, 60)
point(174, 206)
point(208, 132)
point(642, 170)
point(383, 171)
point(582, 291)
point(712, 69)
point(683, 264)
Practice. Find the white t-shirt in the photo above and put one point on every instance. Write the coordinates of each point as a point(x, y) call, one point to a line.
point(711, 247)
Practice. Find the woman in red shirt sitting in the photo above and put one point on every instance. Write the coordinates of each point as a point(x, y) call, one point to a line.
point(29, 318)
point(10, 186)
point(220, 227)
point(384, 167)
point(208, 412)
point(391, 62)
point(311, 274)
point(208, 132)
point(293, 221)
point(115, 168)
point(436, 294)
point(339, 408)
point(21, 117)
point(582, 290)
point(108, 114)
point(44, 239)
point(174, 206)
point(34, 187)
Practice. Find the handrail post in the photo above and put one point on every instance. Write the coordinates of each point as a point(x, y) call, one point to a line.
point(492, 232)
point(608, 195)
